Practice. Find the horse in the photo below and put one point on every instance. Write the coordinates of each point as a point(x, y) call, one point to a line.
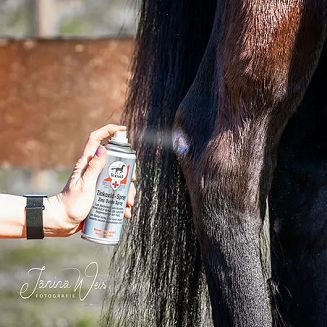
point(119, 169)
point(226, 109)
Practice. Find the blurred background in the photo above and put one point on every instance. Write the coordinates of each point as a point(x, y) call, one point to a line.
point(64, 71)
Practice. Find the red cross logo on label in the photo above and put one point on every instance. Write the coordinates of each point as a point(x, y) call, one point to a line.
point(115, 184)
point(118, 172)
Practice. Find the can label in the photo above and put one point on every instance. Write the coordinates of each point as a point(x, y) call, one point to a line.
point(118, 172)
point(106, 217)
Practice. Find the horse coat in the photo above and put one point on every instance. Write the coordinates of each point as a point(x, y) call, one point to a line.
point(214, 86)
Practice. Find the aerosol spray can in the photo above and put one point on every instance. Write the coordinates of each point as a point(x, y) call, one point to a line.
point(105, 220)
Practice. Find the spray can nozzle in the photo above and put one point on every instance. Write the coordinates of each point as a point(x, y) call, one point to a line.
point(120, 137)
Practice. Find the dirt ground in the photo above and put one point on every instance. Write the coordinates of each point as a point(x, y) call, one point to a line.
point(54, 92)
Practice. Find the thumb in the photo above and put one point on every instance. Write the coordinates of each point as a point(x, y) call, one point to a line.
point(95, 166)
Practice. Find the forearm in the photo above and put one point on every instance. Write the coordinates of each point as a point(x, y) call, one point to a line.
point(13, 218)
point(64, 213)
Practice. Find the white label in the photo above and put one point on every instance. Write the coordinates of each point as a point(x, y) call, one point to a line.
point(117, 172)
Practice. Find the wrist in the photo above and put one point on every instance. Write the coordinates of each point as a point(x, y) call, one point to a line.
point(56, 222)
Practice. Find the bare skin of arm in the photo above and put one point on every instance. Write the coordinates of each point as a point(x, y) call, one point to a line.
point(64, 213)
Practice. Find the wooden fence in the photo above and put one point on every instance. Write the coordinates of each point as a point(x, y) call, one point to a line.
point(54, 92)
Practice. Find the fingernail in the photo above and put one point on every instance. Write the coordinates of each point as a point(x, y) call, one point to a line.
point(100, 151)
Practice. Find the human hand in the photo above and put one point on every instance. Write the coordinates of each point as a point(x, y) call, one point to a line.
point(71, 206)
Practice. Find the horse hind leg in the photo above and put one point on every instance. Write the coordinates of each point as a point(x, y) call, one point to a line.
point(226, 133)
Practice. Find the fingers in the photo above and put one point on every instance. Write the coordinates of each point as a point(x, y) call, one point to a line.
point(80, 168)
point(134, 174)
point(128, 212)
point(97, 136)
point(80, 227)
point(131, 195)
point(94, 167)
point(130, 201)
point(93, 143)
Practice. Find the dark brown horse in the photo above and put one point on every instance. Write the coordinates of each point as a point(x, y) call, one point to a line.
point(215, 84)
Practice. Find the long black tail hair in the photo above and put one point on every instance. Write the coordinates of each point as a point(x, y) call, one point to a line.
point(156, 276)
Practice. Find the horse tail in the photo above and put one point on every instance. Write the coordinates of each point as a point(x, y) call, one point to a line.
point(156, 276)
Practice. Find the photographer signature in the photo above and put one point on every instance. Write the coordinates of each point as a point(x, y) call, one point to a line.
point(83, 284)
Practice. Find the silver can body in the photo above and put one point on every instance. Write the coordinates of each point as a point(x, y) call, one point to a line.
point(104, 223)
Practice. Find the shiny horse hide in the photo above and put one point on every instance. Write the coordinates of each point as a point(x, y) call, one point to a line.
point(214, 85)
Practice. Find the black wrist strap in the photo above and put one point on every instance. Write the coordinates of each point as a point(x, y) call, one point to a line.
point(34, 216)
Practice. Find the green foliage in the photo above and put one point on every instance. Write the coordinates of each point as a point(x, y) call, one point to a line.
point(85, 321)
point(74, 26)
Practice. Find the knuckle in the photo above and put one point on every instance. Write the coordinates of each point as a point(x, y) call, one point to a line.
point(128, 213)
point(92, 135)
point(80, 162)
point(93, 164)
point(110, 128)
